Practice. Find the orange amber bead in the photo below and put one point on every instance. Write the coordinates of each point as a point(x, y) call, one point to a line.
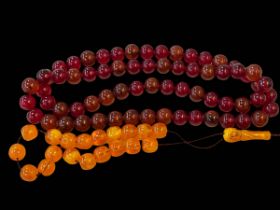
point(87, 161)
point(17, 152)
point(133, 146)
point(71, 156)
point(159, 130)
point(46, 167)
point(150, 145)
point(129, 131)
point(207, 72)
point(114, 133)
point(68, 141)
point(144, 130)
point(28, 173)
point(84, 141)
point(29, 132)
point(253, 72)
point(117, 147)
point(99, 137)
point(53, 153)
point(53, 136)
point(220, 59)
point(102, 154)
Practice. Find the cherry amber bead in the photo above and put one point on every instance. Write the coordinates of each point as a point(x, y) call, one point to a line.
point(44, 90)
point(103, 56)
point(265, 84)
point(211, 99)
point(258, 99)
point(59, 76)
point(131, 116)
point(227, 120)
point(27, 102)
point(197, 93)
point(65, 124)
point(77, 109)
point(17, 152)
point(91, 103)
point(82, 123)
point(84, 141)
point(53, 136)
point(99, 137)
point(133, 67)
point(121, 91)
point(74, 76)
point(129, 131)
point(161, 51)
point(147, 51)
point(118, 68)
point(164, 115)
point(34, 116)
point(152, 85)
point(238, 71)
point(71, 156)
point(223, 72)
point(180, 117)
point(117, 53)
point(271, 96)
point(73, 62)
point(99, 121)
point(242, 105)
point(207, 72)
point(148, 116)
point(28, 173)
point(53, 153)
point(167, 87)
point(102, 154)
point(47, 102)
point(87, 161)
point(131, 51)
point(46, 167)
point(87, 58)
point(159, 130)
point(117, 148)
point(49, 121)
point(243, 121)
point(163, 66)
point(211, 118)
point(195, 118)
point(44, 76)
point(104, 71)
point(220, 60)
point(133, 146)
point(182, 89)
point(178, 68)
point(30, 85)
point(253, 72)
point(89, 74)
point(148, 66)
point(272, 109)
point(193, 70)
point(190, 55)
point(115, 118)
point(106, 97)
point(150, 145)
point(205, 58)
point(59, 64)
point(176, 53)
point(259, 118)
point(136, 88)
point(68, 141)
point(226, 104)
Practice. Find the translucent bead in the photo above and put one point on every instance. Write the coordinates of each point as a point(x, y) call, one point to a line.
point(87, 161)
point(253, 72)
point(68, 141)
point(34, 116)
point(205, 57)
point(146, 51)
point(195, 117)
point(99, 137)
point(74, 76)
point(148, 66)
point(164, 115)
point(131, 116)
point(117, 53)
point(71, 156)
point(91, 103)
point(53, 136)
point(226, 104)
point(102, 154)
point(73, 62)
point(131, 51)
point(150, 145)
point(178, 68)
point(47, 102)
point(207, 72)
point(89, 74)
point(88, 58)
point(30, 85)
point(272, 109)
point(176, 53)
point(237, 71)
point(259, 118)
point(103, 56)
point(133, 67)
point(220, 60)
point(49, 121)
point(59, 64)
point(46, 167)
point(59, 76)
point(136, 88)
point(243, 121)
point(161, 51)
point(197, 93)
point(121, 91)
point(65, 124)
point(106, 97)
point(159, 130)
point(193, 70)
point(53, 153)
point(114, 133)
point(77, 109)
point(182, 89)
point(129, 131)
point(133, 146)
point(115, 118)
point(29, 132)
point(17, 152)
point(44, 75)
point(223, 72)
point(148, 116)
point(99, 121)
point(258, 99)
point(271, 96)
point(104, 71)
point(84, 141)
point(180, 117)
point(242, 105)
point(44, 90)
point(211, 118)
point(117, 147)
point(152, 85)
point(27, 102)
point(227, 120)
point(28, 173)
point(82, 123)
point(144, 130)
point(163, 65)
point(191, 55)
point(167, 87)
point(61, 109)
point(265, 84)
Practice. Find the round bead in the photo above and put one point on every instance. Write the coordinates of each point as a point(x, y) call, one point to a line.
point(178, 68)
point(272, 109)
point(223, 72)
point(197, 93)
point(242, 105)
point(117, 53)
point(29, 132)
point(133, 67)
point(27, 102)
point(193, 70)
point(59, 64)
point(131, 116)
point(159, 130)
point(106, 97)
point(30, 85)
point(211, 118)
point(44, 76)
point(129, 131)
point(46, 167)
point(147, 51)
point(53, 153)
point(87, 58)
point(255, 86)
point(161, 51)
point(163, 65)
point(99, 121)
point(47, 102)
point(259, 118)
point(84, 141)
point(131, 51)
point(144, 130)
point(49, 121)
point(59, 76)
point(77, 109)
point(148, 66)
point(271, 96)
point(149, 145)
point(253, 72)
point(167, 87)
point(103, 56)
point(28, 173)
point(117, 148)
point(82, 123)
point(71, 156)
point(148, 116)
point(53, 136)
point(220, 60)
point(243, 121)
point(68, 141)
point(164, 115)
point(195, 118)
point(238, 71)
point(258, 99)
point(152, 85)
point(99, 137)
point(17, 152)
point(121, 91)
point(205, 58)
point(207, 72)
point(136, 88)
point(87, 161)
point(73, 62)
point(118, 68)
point(133, 146)
point(65, 124)
point(114, 133)
point(34, 116)
point(211, 99)
point(44, 90)
point(180, 117)
point(89, 74)
point(227, 120)
point(182, 89)
point(104, 71)
point(74, 76)
point(265, 84)
point(102, 154)
point(190, 55)
point(176, 53)
point(115, 118)
point(226, 104)
point(91, 103)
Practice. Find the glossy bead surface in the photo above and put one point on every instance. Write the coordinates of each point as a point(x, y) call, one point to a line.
point(131, 51)
point(59, 64)
point(193, 70)
point(197, 93)
point(17, 152)
point(28, 173)
point(27, 102)
point(190, 55)
point(205, 58)
point(148, 116)
point(87, 161)
point(227, 120)
point(44, 90)
point(114, 133)
point(102, 154)
point(117, 53)
point(159, 130)
point(243, 121)
point(258, 99)
point(163, 65)
point(99, 137)
point(129, 131)
point(272, 109)
point(182, 89)
point(195, 117)
point(73, 62)
point(136, 88)
point(34, 116)
point(59, 76)
point(121, 91)
point(49, 121)
point(211, 118)
point(167, 87)
point(220, 60)
point(82, 123)
point(71, 156)
point(148, 66)
point(226, 104)
point(242, 105)
point(91, 103)
point(161, 51)
point(99, 121)
point(164, 115)
point(103, 56)
point(180, 117)
point(46, 167)
point(106, 97)
point(68, 141)
point(117, 147)
point(149, 145)
point(152, 85)
point(259, 118)
point(133, 67)
point(176, 53)
point(223, 72)
point(147, 51)
point(118, 68)
point(44, 76)
point(53, 153)
point(47, 102)
point(265, 84)
point(29, 132)
point(89, 74)
point(74, 76)
point(104, 71)
point(271, 96)
point(211, 99)
point(115, 118)
point(178, 68)
point(77, 109)
point(84, 141)
point(53, 136)
point(131, 116)
point(144, 130)
point(65, 124)
point(253, 72)
point(30, 85)
point(87, 58)
point(207, 72)
point(238, 71)
point(133, 146)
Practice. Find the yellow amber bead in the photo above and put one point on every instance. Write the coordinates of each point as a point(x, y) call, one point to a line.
point(28, 173)
point(159, 130)
point(53, 153)
point(17, 152)
point(53, 136)
point(99, 137)
point(71, 156)
point(29, 132)
point(84, 141)
point(144, 131)
point(68, 141)
point(102, 154)
point(150, 145)
point(114, 133)
point(129, 131)
point(46, 167)
point(117, 147)
point(87, 161)
point(133, 146)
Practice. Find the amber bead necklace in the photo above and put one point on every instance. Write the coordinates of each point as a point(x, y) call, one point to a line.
point(118, 133)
